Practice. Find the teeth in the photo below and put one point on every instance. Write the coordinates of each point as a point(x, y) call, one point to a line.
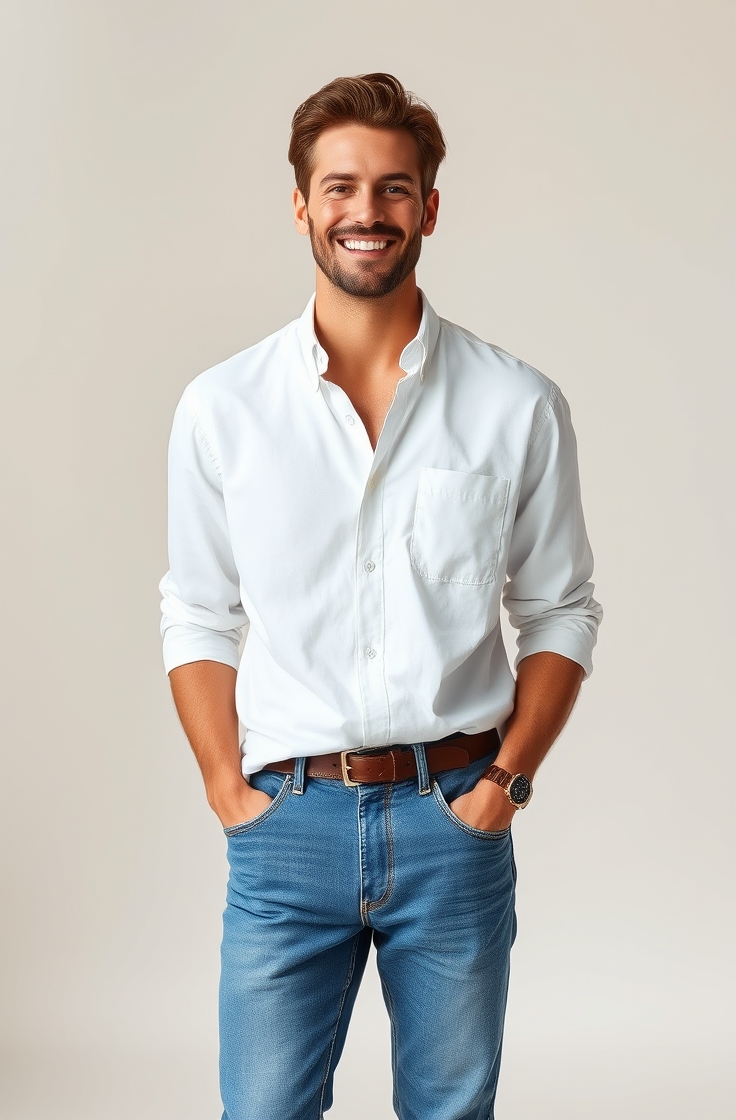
point(365, 246)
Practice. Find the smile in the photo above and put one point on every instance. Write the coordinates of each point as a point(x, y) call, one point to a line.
point(364, 246)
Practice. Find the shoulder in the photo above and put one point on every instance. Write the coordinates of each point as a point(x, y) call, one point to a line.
point(244, 373)
point(520, 385)
point(498, 363)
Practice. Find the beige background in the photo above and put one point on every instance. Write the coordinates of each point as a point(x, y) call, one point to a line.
point(586, 225)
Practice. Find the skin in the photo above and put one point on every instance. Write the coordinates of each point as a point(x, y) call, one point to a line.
point(365, 181)
point(365, 184)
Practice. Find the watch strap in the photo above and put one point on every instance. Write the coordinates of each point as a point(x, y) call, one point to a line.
point(500, 776)
point(506, 780)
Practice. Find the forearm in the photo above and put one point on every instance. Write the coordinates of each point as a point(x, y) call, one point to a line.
point(547, 686)
point(204, 695)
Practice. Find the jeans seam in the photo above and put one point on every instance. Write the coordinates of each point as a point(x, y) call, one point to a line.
point(248, 826)
point(370, 906)
point(361, 856)
point(493, 837)
point(394, 1050)
point(343, 997)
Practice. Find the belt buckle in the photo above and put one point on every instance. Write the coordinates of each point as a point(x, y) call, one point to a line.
point(345, 766)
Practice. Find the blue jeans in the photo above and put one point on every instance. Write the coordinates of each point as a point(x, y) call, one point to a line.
point(325, 870)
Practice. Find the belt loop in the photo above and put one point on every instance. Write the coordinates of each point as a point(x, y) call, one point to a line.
point(422, 772)
point(299, 767)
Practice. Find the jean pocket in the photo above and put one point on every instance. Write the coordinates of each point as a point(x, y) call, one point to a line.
point(458, 525)
point(461, 826)
point(278, 798)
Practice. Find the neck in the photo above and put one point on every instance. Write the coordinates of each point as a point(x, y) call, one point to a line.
point(366, 336)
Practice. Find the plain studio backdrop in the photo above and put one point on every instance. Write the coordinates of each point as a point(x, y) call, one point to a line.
point(586, 225)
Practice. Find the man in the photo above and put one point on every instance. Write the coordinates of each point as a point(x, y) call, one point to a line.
point(357, 488)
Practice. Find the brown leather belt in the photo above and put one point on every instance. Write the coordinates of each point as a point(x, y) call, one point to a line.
point(396, 763)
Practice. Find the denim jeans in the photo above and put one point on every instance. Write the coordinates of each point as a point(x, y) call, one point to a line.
point(324, 871)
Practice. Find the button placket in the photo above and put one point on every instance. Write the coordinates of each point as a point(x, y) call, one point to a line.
point(370, 612)
point(370, 592)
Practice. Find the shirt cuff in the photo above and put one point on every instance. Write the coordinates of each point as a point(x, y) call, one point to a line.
point(577, 645)
point(184, 644)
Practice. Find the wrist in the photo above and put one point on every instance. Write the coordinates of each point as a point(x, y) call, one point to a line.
point(225, 789)
point(493, 797)
point(516, 787)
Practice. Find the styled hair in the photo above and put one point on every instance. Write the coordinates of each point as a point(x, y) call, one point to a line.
point(376, 100)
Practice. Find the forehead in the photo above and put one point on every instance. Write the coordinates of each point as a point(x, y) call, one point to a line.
point(359, 149)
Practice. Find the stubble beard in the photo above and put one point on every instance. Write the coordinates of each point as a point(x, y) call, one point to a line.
point(371, 280)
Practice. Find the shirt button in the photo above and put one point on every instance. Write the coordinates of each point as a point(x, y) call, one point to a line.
point(372, 483)
point(369, 566)
point(350, 419)
point(369, 651)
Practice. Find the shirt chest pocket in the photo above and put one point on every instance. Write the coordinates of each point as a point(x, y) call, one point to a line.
point(458, 522)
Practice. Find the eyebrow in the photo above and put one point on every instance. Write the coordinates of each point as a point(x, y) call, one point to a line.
point(347, 177)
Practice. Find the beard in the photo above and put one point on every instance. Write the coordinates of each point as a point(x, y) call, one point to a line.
point(365, 279)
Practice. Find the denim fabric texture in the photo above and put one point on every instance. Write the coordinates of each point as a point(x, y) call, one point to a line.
point(313, 881)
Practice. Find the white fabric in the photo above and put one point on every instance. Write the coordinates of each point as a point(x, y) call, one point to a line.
point(372, 581)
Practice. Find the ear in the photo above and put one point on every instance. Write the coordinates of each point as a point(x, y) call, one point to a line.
point(301, 220)
point(431, 206)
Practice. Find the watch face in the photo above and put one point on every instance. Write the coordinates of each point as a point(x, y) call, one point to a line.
point(520, 789)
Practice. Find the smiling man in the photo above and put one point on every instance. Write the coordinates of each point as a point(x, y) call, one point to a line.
point(391, 251)
point(361, 488)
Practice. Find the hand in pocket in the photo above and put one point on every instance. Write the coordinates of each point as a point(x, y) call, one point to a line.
point(485, 807)
point(242, 804)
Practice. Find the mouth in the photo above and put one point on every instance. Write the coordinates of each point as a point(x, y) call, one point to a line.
point(357, 247)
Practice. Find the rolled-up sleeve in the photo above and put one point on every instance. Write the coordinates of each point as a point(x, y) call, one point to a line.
point(202, 613)
point(548, 595)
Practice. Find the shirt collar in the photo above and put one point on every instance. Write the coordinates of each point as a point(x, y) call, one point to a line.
point(413, 359)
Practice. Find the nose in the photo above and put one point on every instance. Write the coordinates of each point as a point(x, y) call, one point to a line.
point(367, 207)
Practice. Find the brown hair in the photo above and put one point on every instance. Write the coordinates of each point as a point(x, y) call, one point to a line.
point(376, 100)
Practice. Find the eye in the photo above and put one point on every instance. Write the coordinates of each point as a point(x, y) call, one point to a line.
point(398, 190)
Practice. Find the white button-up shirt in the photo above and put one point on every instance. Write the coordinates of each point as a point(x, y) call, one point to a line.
point(371, 581)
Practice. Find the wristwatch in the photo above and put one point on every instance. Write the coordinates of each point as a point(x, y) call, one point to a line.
point(517, 787)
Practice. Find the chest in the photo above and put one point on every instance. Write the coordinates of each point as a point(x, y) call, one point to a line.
point(371, 399)
point(305, 492)
point(372, 409)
